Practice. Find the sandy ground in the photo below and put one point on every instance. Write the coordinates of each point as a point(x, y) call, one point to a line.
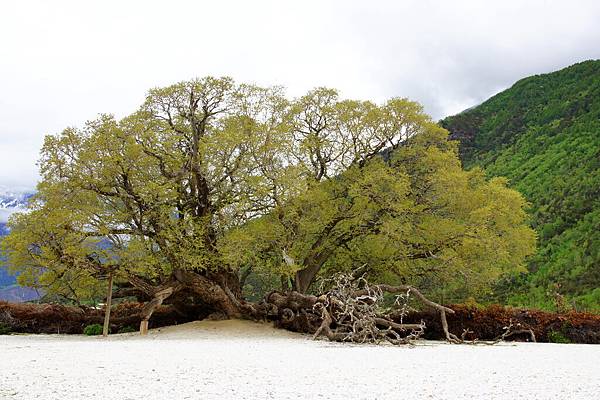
point(245, 360)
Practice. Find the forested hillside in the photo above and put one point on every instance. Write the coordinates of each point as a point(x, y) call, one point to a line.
point(5, 278)
point(544, 135)
point(12, 201)
point(9, 291)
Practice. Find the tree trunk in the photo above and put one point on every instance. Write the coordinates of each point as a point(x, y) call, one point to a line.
point(219, 292)
point(108, 305)
point(214, 290)
point(304, 278)
point(244, 276)
point(226, 279)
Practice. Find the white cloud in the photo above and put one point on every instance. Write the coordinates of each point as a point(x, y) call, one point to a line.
point(63, 62)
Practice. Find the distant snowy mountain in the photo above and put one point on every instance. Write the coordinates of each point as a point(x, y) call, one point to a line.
point(12, 201)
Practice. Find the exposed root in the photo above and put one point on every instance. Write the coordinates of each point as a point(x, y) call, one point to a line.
point(349, 312)
point(509, 330)
point(513, 329)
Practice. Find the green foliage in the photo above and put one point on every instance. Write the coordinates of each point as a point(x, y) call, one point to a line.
point(44, 252)
point(417, 218)
point(543, 134)
point(558, 337)
point(93, 330)
point(127, 329)
point(4, 329)
point(210, 176)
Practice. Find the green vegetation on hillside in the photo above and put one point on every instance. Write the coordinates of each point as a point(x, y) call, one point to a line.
point(543, 134)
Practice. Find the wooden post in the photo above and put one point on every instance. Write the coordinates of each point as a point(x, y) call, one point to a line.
point(108, 305)
point(144, 327)
point(152, 305)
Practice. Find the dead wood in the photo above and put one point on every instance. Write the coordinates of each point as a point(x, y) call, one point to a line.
point(348, 312)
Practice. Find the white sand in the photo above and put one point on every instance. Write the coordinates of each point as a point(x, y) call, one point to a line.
point(245, 360)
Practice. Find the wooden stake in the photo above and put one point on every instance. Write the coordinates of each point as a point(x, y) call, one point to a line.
point(144, 327)
point(108, 305)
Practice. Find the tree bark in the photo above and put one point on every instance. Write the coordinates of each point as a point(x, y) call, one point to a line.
point(212, 293)
point(305, 277)
point(244, 276)
point(301, 281)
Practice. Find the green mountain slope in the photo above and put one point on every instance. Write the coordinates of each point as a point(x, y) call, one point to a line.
point(544, 135)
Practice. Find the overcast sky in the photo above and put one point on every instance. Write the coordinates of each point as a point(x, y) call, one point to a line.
point(63, 62)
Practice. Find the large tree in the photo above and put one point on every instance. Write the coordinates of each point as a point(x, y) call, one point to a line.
point(211, 181)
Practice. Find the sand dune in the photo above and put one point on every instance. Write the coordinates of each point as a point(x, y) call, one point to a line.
point(245, 360)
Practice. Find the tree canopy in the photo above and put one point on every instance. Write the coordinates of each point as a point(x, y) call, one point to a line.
point(215, 181)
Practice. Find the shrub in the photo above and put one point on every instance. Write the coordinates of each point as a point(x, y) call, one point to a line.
point(558, 337)
point(93, 330)
point(4, 329)
point(127, 329)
